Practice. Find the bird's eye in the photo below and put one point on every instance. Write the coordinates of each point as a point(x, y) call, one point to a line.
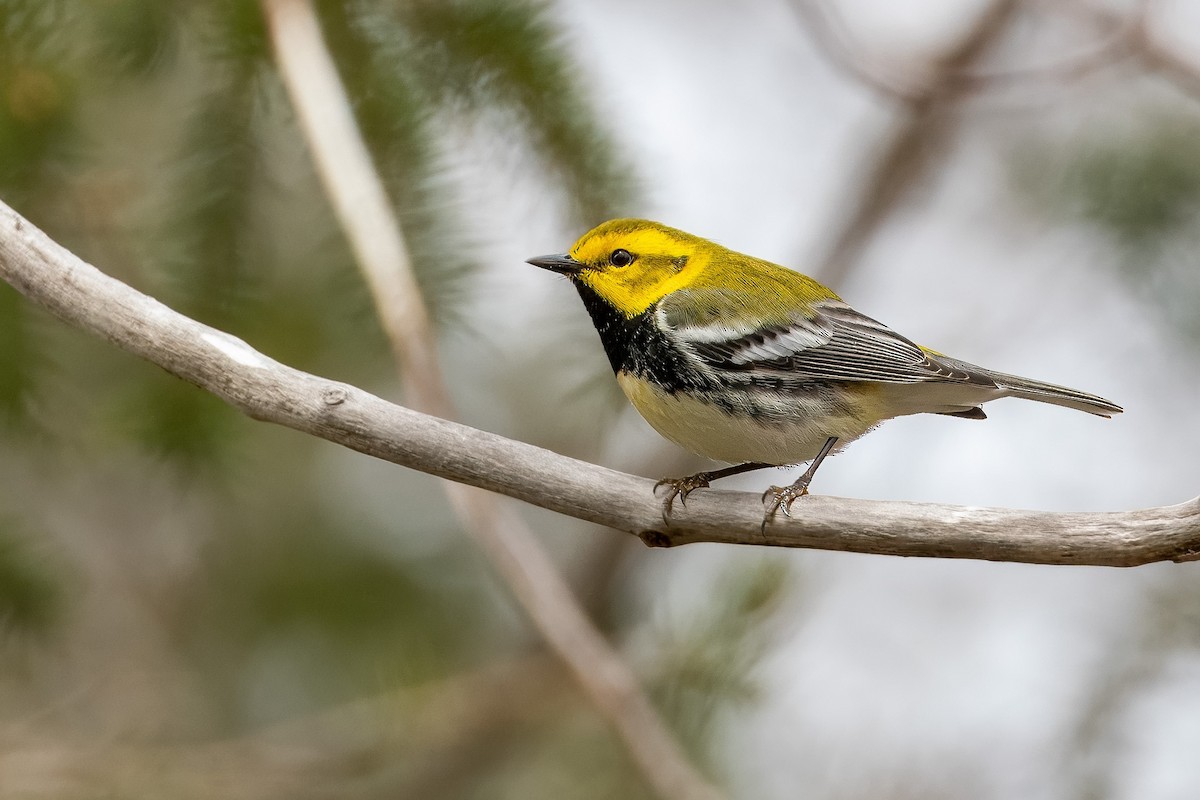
point(620, 258)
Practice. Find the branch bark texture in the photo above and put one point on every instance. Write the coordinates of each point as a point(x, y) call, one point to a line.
point(264, 389)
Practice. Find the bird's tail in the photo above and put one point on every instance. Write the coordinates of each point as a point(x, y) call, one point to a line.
point(1014, 386)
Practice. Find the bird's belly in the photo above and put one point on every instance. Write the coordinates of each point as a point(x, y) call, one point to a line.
point(794, 433)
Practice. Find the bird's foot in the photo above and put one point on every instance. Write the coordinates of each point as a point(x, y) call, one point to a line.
point(782, 497)
point(681, 488)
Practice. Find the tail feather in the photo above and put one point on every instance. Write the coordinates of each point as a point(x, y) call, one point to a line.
point(1027, 389)
point(1014, 386)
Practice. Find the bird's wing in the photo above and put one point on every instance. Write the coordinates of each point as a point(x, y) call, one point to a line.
point(723, 329)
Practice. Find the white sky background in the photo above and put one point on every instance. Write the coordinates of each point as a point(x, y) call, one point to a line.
point(892, 677)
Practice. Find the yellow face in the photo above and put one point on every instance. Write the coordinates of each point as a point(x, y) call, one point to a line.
point(632, 263)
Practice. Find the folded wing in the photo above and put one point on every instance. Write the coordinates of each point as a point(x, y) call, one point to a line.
point(722, 329)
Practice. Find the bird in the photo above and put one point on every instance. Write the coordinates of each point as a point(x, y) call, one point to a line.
point(747, 362)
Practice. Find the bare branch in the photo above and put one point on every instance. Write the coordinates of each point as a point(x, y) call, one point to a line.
point(266, 390)
point(907, 152)
point(361, 203)
point(908, 84)
point(1139, 40)
point(827, 30)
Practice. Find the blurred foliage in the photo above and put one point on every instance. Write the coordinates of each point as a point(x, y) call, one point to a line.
point(332, 620)
point(171, 420)
point(711, 658)
point(31, 593)
point(241, 572)
point(495, 56)
point(1141, 189)
point(138, 37)
point(18, 356)
point(1141, 186)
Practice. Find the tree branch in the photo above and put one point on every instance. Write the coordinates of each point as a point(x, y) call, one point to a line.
point(1139, 40)
point(917, 138)
point(901, 81)
point(361, 204)
point(264, 389)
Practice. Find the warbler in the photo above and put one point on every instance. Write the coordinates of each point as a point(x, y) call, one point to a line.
point(744, 361)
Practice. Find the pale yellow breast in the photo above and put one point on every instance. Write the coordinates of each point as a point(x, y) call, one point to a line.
point(709, 431)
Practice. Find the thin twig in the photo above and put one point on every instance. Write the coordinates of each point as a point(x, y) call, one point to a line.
point(266, 390)
point(1142, 44)
point(922, 133)
point(361, 204)
point(909, 150)
point(828, 32)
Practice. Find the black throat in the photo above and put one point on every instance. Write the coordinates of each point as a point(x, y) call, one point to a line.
point(617, 331)
point(636, 345)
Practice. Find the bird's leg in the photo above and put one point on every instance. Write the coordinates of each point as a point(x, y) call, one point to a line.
point(784, 496)
point(682, 487)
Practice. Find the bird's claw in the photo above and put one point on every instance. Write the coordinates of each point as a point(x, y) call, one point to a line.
point(681, 488)
point(781, 499)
